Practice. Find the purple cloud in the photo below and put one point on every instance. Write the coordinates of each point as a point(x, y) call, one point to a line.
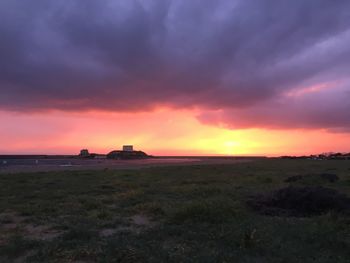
point(324, 109)
point(235, 60)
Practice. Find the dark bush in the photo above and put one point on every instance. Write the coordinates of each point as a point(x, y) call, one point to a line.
point(329, 177)
point(294, 178)
point(300, 202)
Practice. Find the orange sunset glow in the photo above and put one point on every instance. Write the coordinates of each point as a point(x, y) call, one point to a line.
point(174, 78)
point(162, 132)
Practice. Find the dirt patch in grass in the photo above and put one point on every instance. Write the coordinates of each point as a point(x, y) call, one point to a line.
point(141, 220)
point(11, 222)
point(107, 232)
point(41, 232)
point(135, 224)
point(300, 202)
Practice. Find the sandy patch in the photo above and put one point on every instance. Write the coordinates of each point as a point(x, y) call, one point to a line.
point(137, 224)
point(14, 222)
point(141, 220)
point(107, 232)
point(41, 232)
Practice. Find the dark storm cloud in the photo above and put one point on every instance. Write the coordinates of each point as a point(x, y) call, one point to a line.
point(324, 110)
point(238, 58)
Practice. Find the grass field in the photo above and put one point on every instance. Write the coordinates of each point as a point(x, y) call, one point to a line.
point(167, 214)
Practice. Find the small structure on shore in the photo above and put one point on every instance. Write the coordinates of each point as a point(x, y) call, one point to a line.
point(84, 153)
point(128, 148)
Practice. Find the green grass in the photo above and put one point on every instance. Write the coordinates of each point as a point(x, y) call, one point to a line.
point(195, 214)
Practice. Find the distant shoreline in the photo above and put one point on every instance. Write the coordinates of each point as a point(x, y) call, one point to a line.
point(35, 156)
point(26, 163)
point(43, 156)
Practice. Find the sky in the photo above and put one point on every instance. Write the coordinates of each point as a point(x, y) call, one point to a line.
point(175, 77)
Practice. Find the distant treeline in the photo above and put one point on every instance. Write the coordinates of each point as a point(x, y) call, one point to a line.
point(327, 156)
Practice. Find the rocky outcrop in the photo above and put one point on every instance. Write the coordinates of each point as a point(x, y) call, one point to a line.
point(127, 155)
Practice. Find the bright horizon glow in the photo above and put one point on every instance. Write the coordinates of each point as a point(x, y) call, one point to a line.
point(162, 132)
point(175, 77)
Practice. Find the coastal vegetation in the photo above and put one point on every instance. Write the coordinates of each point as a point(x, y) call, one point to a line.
point(193, 213)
